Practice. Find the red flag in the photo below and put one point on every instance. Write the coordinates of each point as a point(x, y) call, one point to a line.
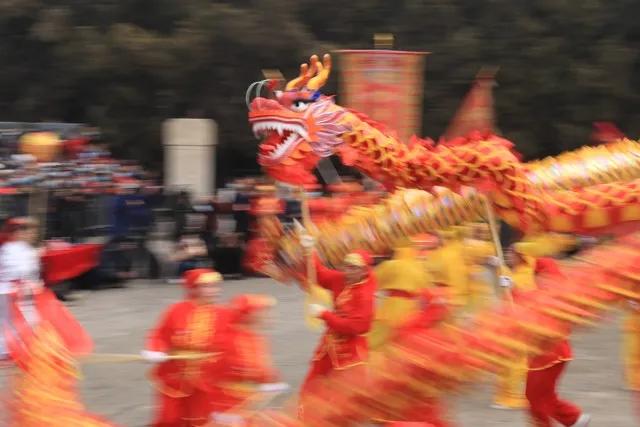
point(476, 112)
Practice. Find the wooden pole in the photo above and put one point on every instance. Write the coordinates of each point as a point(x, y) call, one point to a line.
point(126, 358)
point(315, 294)
point(493, 226)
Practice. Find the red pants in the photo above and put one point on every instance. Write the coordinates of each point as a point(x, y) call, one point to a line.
point(544, 403)
point(191, 411)
point(319, 369)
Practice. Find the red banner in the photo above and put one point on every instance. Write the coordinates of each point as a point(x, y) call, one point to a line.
point(386, 85)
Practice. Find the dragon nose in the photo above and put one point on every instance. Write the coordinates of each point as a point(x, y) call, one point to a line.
point(260, 103)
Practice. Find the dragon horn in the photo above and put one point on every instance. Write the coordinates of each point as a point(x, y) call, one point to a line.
point(299, 81)
point(324, 69)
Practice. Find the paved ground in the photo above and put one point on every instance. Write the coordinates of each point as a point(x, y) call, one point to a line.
point(119, 319)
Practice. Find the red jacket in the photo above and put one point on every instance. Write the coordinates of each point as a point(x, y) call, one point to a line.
point(189, 327)
point(345, 341)
point(560, 351)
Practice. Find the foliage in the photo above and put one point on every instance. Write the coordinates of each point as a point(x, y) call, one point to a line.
point(126, 65)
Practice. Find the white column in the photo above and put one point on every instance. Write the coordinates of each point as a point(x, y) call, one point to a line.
point(190, 155)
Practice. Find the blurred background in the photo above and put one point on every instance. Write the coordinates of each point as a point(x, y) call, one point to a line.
point(126, 65)
point(85, 87)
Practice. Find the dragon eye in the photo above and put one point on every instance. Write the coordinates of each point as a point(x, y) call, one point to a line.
point(300, 105)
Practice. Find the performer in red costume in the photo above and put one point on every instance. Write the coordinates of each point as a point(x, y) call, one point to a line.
point(192, 327)
point(247, 364)
point(428, 413)
point(344, 344)
point(544, 373)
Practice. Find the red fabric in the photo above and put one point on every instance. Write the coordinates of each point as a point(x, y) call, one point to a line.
point(344, 340)
point(183, 412)
point(429, 316)
point(544, 403)
point(59, 265)
point(399, 293)
point(50, 310)
point(257, 254)
point(246, 360)
point(546, 265)
point(74, 146)
point(74, 335)
point(560, 352)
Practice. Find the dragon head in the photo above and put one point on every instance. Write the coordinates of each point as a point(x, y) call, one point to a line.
point(299, 125)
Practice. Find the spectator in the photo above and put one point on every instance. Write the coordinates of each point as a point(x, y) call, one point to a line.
point(241, 206)
point(182, 208)
point(228, 255)
point(116, 266)
point(132, 219)
point(191, 253)
point(19, 271)
point(72, 205)
point(209, 232)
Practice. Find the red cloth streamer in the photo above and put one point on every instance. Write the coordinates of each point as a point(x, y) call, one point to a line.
point(67, 263)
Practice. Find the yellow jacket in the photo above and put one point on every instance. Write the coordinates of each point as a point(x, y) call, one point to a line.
point(451, 270)
point(405, 273)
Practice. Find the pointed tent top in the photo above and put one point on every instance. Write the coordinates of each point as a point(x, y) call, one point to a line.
point(487, 73)
point(476, 112)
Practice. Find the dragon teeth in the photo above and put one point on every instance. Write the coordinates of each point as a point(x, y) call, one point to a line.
point(262, 127)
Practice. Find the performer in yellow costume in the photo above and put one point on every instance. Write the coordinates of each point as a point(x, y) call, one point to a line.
point(480, 254)
point(400, 279)
point(522, 260)
point(631, 347)
point(451, 267)
point(511, 384)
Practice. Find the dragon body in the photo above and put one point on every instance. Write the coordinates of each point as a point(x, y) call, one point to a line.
point(584, 191)
point(421, 364)
point(587, 191)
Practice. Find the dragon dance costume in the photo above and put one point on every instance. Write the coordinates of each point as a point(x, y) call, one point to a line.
point(545, 371)
point(344, 344)
point(409, 305)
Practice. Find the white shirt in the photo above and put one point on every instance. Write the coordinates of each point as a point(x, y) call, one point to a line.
point(18, 261)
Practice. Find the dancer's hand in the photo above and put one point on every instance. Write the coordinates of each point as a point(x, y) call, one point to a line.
point(154, 356)
point(505, 282)
point(273, 387)
point(227, 419)
point(493, 261)
point(316, 310)
point(307, 241)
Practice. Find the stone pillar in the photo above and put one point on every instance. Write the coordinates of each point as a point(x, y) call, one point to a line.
point(190, 155)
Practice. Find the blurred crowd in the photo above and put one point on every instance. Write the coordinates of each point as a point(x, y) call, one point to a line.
point(229, 230)
point(147, 231)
